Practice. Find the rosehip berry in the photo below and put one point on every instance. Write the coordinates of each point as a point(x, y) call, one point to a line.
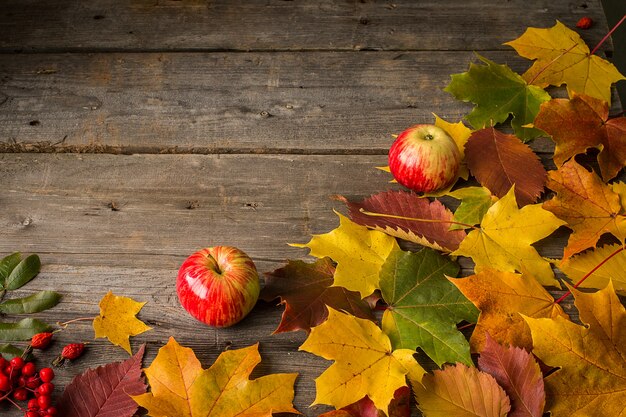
point(46, 388)
point(5, 383)
point(584, 23)
point(33, 404)
point(41, 340)
point(46, 374)
point(29, 369)
point(73, 351)
point(17, 363)
point(20, 394)
point(44, 401)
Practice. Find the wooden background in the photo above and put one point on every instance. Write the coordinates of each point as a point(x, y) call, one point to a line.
point(134, 133)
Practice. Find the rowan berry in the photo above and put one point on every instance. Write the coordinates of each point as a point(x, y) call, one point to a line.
point(17, 363)
point(46, 388)
point(584, 23)
point(29, 369)
point(33, 404)
point(5, 383)
point(20, 394)
point(44, 401)
point(46, 374)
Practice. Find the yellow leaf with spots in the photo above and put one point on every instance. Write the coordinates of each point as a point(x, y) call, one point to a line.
point(117, 321)
point(181, 388)
point(562, 57)
point(505, 237)
point(364, 362)
point(358, 251)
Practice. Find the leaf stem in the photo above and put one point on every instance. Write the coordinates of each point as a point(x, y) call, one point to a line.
point(593, 51)
point(550, 63)
point(588, 274)
point(66, 323)
point(415, 219)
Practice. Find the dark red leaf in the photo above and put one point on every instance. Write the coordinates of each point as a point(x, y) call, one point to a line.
point(306, 290)
point(106, 390)
point(432, 232)
point(518, 373)
point(400, 406)
point(499, 161)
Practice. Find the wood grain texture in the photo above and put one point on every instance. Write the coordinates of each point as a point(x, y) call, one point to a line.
point(326, 102)
point(239, 25)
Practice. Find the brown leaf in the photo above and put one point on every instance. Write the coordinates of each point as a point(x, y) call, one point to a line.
point(400, 406)
point(433, 232)
point(306, 289)
point(499, 161)
point(589, 207)
point(518, 373)
point(581, 123)
point(106, 390)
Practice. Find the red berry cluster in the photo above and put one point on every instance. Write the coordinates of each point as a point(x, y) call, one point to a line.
point(20, 381)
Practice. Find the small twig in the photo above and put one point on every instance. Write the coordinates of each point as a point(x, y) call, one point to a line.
point(588, 274)
point(65, 324)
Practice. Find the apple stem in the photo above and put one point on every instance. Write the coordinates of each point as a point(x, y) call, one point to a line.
point(214, 264)
point(415, 219)
point(593, 51)
point(588, 274)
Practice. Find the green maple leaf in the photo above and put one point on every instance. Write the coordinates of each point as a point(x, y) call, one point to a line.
point(475, 201)
point(498, 93)
point(424, 307)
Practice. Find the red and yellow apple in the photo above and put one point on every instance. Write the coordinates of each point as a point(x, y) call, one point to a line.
point(218, 285)
point(424, 158)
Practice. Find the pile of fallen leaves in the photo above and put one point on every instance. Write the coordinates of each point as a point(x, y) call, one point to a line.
point(524, 355)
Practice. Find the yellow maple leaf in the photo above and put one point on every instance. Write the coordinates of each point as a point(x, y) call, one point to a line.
point(117, 321)
point(562, 57)
point(613, 269)
point(501, 297)
point(591, 379)
point(505, 237)
point(358, 251)
point(181, 388)
point(364, 362)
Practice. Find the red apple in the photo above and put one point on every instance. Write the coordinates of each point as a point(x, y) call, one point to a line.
point(424, 158)
point(218, 285)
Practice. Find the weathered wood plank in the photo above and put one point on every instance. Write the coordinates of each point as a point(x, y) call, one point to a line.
point(160, 25)
point(210, 103)
point(125, 224)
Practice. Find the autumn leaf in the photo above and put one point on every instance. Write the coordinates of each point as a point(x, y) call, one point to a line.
point(424, 307)
point(581, 123)
point(400, 406)
point(461, 391)
point(181, 388)
point(614, 269)
point(589, 207)
point(117, 320)
point(517, 371)
point(358, 252)
point(498, 93)
point(562, 57)
point(364, 362)
point(105, 390)
point(500, 161)
point(504, 239)
point(475, 201)
point(500, 297)
point(591, 379)
point(432, 232)
point(306, 290)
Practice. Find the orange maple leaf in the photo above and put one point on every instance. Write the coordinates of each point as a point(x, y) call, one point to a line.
point(589, 207)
